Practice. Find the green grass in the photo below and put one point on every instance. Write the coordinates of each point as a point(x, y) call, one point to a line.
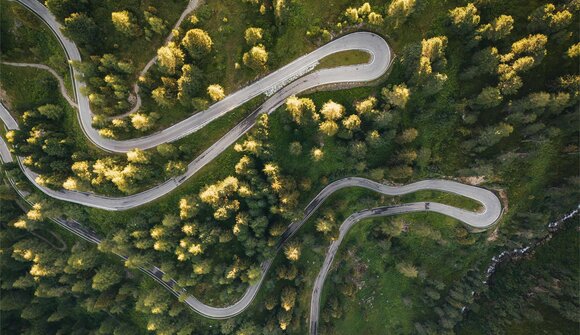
point(27, 39)
point(27, 88)
point(168, 116)
point(343, 58)
point(302, 16)
point(365, 319)
point(204, 138)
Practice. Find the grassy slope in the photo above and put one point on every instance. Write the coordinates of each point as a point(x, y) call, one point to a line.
point(25, 38)
point(385, 287)
point(293, 42)
point(343, 58)
point(27, 87)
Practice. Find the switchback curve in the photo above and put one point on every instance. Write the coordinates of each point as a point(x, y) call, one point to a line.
point(281, 84)
point(271, 84)
point(478, 221)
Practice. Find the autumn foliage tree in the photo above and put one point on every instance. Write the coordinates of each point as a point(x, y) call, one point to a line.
point(125, 23)
point(197, 42)
point(256, 58)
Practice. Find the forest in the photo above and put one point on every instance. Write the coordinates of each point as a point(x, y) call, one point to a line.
point(485, 92)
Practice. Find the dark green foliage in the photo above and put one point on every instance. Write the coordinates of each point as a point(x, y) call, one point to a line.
point(108, 84)
point(535, 295)
point(79, 27)
point(479, 103)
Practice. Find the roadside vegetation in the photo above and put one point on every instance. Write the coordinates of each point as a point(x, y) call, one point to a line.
point(474, 94)
point(71, 161)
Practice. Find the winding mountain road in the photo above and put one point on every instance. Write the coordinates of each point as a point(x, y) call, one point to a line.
point(372, 43)
point(291, 79)
point(484, 219)
point(281, 84)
